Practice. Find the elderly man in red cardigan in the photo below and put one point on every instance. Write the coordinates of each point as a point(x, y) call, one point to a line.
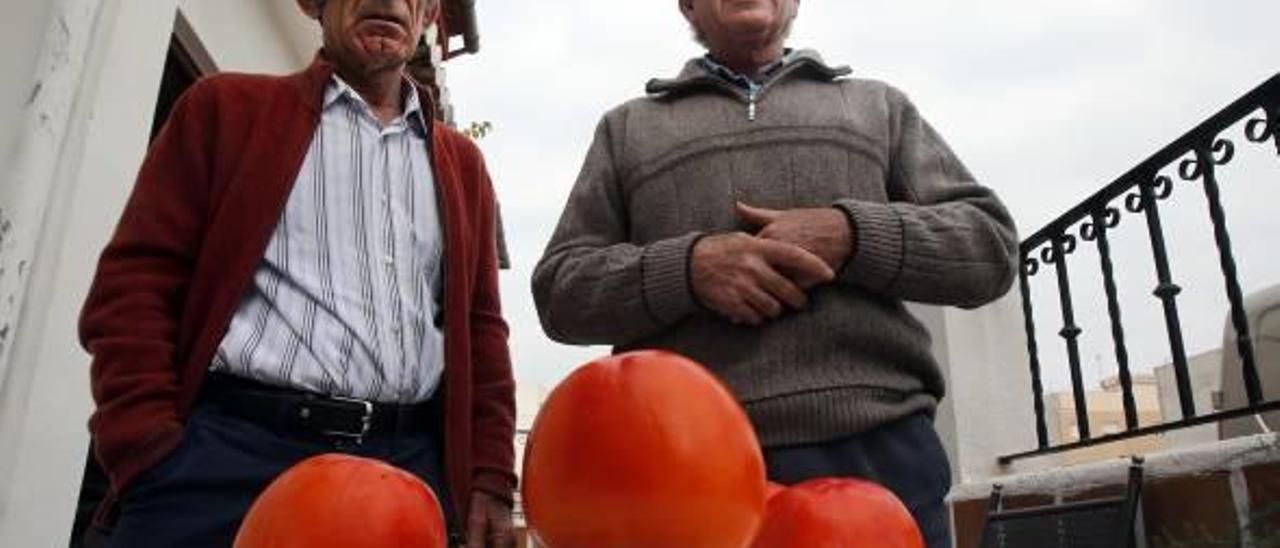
point(307, 264)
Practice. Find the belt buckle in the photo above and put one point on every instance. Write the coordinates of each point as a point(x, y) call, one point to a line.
point(366, 420)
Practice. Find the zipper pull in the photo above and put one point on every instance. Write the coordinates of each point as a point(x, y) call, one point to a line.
point(751, 105)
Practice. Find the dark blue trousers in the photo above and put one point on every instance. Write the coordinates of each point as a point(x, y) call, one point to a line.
point(905, 456)
point(197, 496)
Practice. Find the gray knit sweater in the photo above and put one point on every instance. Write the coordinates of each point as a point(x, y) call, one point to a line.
point(667, 168)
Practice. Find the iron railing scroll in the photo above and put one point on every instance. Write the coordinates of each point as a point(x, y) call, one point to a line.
point(1197, 156)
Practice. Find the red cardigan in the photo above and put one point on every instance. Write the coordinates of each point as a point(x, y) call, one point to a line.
point(206, 202)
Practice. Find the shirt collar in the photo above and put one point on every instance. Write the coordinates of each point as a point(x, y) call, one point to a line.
point(741, 80)
point(799, 63)
point(339, 89)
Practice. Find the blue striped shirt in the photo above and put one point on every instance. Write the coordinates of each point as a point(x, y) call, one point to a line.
point(346, 299)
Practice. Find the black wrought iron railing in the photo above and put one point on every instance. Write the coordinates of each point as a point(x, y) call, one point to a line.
point(1197, 155)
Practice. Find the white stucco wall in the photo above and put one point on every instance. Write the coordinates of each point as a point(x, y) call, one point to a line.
point(24, 27)
point(269, 36)
point(988, 410)
point(73, 152)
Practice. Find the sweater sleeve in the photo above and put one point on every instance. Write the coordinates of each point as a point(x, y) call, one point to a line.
point(130, 320)
point(493, 385)
point(942, 238)
point(593, 285)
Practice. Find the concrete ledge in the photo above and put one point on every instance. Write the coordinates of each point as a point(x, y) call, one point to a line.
point(1224, 456)
point(1220, 494)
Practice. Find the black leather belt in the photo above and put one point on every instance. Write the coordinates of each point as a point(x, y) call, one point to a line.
point(301, 412)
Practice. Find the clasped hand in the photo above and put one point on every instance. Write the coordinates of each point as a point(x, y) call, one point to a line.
point(753, 278)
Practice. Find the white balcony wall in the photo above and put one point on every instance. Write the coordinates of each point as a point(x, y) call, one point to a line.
point(988, 410)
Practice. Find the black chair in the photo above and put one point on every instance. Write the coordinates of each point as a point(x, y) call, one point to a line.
point(1100, 523)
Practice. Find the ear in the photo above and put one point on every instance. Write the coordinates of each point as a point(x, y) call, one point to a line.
point(311, 7)
point(686, 9)
point(433, 13)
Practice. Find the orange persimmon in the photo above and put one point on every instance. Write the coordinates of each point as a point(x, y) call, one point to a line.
point(643, 449)
point(342, 501)
point(837, 513)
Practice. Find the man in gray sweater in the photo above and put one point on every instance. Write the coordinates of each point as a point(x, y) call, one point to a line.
point(767, 216)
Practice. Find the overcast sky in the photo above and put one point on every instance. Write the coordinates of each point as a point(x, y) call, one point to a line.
point(1045, 101)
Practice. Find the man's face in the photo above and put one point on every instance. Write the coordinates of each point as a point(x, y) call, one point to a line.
point(731, 24)
point(371, 35)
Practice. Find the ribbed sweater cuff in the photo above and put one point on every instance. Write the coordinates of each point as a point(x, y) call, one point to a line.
point(500, 485)
point(664, 280)
point(877, 254)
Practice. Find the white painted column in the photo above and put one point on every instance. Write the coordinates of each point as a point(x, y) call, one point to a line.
point(71, 167)
point(988, 410)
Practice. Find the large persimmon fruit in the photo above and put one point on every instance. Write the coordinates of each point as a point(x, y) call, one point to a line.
point(838, 513)
point(342, 501)
point(770, 490)
point(643, 449)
